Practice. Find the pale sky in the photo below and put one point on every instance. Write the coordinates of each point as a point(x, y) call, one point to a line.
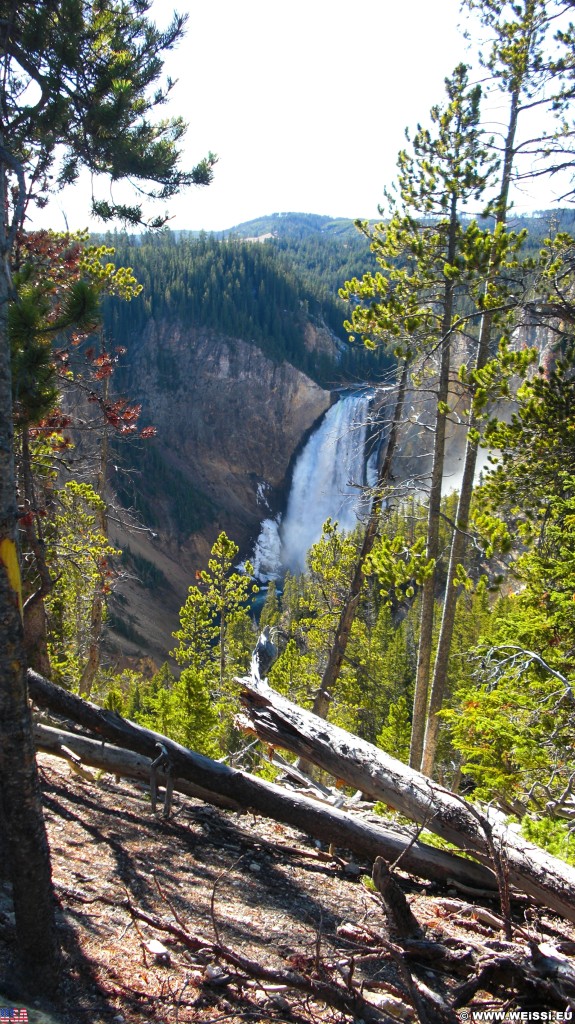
point(305, 104)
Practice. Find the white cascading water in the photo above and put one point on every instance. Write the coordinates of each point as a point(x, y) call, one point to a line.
point(328, 481)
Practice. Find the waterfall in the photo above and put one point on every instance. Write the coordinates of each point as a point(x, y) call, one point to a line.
point(328, 481)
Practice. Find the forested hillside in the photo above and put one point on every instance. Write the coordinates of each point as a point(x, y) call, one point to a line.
point(265, 292)
point(262, 281)
point(156, 390)
point(425, 630)
point(273, 284)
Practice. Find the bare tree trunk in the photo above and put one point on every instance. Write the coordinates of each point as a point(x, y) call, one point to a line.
point(92, 665)
point(277, 721)
point(26, 845)
point(433, 514)
point(439, 684)
point(322, 821)
point(36, 634)
point(35, 625)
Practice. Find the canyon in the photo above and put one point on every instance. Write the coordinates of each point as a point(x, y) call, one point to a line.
point(229, 423)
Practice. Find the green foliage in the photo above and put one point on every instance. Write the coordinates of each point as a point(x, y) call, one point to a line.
point(399, 566)
point(58, 284)
point(187, 712)
point(80, 559)
point(375, 687)
point(270, 612)
point(533, 454)
point(429, 258)
point(554, 836)
point(293, 676)
point(395, 735)
point(215, 641)
point(512, 720)
point(181, 709)
point(495, 732)
point(379, 660)
point(98, 70)
point(198, 631)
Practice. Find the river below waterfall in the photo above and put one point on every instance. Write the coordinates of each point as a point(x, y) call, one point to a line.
point(328, 481)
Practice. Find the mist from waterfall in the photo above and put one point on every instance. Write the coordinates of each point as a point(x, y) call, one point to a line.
point(328, 482)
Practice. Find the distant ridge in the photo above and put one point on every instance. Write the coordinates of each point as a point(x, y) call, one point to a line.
point(296, 225)
point(287, 226)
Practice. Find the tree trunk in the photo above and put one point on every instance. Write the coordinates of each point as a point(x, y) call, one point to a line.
point(216, 782)
point(35, 626)
point(349, 610)
point(36, 634)
point(119, 761)
point(439, 683)
point(92, 665)
point(361, 765)
point(427, 614)
point(26, 845)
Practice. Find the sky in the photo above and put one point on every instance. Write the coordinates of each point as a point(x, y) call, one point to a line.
point(305, 103)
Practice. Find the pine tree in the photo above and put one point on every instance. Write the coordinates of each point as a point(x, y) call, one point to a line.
point(270, 612)
point(216, 638)
point(521, 71)
point(79, 76)
point(446, 171)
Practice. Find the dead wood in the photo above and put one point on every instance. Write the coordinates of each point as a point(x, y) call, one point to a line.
point(117, 761)
point(276, 721)
point(345, 998)
point(545, 977)
point(460, 909)
point(401, 920)
point(240, 789)
point(439, 955)
point(249, 793)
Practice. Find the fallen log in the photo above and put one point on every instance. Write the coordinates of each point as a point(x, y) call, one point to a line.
point(118, 761)
point(247, 792)
point(276, 721)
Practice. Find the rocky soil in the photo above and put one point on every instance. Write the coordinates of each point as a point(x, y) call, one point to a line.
point(173, 920)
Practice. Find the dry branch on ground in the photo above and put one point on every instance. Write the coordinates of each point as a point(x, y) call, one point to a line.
point(275, 720)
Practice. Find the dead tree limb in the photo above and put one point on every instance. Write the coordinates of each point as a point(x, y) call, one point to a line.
point(349, 1000)
point(277, 721)
point(245, 791)
point(118, 761)
point(402, 922)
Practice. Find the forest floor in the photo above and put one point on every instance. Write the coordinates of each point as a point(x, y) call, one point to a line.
point(261, 890)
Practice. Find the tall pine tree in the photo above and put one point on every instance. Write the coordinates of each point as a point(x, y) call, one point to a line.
point(84, 77)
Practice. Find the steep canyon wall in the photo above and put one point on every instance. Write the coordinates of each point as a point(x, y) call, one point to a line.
point(229, 421)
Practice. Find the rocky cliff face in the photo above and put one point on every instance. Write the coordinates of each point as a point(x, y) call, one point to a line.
point(229, 421)
point(227, 416)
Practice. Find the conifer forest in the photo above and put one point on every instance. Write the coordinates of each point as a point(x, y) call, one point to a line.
point(438, 628)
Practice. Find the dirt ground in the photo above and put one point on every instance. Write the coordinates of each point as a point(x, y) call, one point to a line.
point(259, 889)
